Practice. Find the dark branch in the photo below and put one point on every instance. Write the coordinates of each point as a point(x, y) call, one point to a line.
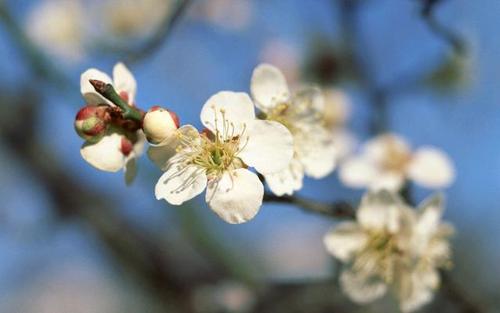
point(340, 209)
point(458, 296)
point(440, 30)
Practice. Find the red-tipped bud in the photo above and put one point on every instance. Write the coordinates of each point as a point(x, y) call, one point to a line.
point(159, 124)
point(126, 146)
point(90, 123)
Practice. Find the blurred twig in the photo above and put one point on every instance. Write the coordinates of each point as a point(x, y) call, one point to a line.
point(360, 65)
point(224, 259)
point(440, 30)
point(39, 63)
point(339, 209)
point(135, 250)
point(454, 293)
point(161, 35)
point(311, 296)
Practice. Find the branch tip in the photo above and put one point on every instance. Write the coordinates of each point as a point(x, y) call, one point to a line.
point(98, 85)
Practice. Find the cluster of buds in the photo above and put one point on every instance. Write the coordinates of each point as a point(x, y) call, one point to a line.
point(91, 122)
point(112, 126)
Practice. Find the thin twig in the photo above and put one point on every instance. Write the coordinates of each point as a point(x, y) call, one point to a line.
point(440, 30)
point(340, 209)
point(41, 66)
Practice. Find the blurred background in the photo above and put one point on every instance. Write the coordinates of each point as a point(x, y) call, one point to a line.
point(74, 239)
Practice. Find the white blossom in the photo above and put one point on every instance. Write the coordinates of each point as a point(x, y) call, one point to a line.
point(218, 159)
point(58, 27)
point(392, 246)
point(301, 113)
point(118, 149)
point(386, 161)
point(131, 19)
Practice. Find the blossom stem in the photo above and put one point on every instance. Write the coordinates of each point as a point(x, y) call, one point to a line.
point(340, 209)
point(109, 92)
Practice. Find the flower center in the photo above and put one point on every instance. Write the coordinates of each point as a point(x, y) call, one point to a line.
point(215, 152)
point(396, 157)
point(380, 256)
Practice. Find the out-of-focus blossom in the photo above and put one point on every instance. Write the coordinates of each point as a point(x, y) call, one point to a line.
point(386, 161)
point(58, 27)
point(301, 113)
point(118, 148)
point(127, 19)
point(392, 246)
point(218, 158)
point(233, 15)
point(284, 56)
point(226, 296)
point(336, 113)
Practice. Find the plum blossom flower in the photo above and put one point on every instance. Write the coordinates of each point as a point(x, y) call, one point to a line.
point(301, 112)
point(392, 246)
point(218, 159)
point(118, 149)
point(131, 19)
point(58, 27)
point(386, 161)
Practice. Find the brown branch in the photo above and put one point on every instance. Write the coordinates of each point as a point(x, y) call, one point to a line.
point(457, 296)
point(340, 209)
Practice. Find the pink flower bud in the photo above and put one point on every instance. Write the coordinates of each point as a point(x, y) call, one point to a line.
point(90, 123)
point(159, 124)
point(126, 146)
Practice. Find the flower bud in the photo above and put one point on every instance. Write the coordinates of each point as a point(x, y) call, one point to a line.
point(90, 123)
point(159, 124)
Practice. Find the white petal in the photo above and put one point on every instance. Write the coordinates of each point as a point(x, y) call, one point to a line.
point(237, 107)
point(316, 150)
point(179, 184)
point(431, 211)
point(428, 222)
point(88, 91)
point(124, 81)
point(162, 152)
point(380, 211)
point(268, 87)
point(387, 180)
point(438, 250)
point(416, 289)
point(138, 147)
point(130, 171)
point(385, 146)
point(269, 148)
point(286, 181)
point(236, 196)
point(308, 104)
point(358, 172)
point(362, 289)
point(345, 240)
point(431, 168)
point(337, 108)
point(106, 154)
point(344, 143)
